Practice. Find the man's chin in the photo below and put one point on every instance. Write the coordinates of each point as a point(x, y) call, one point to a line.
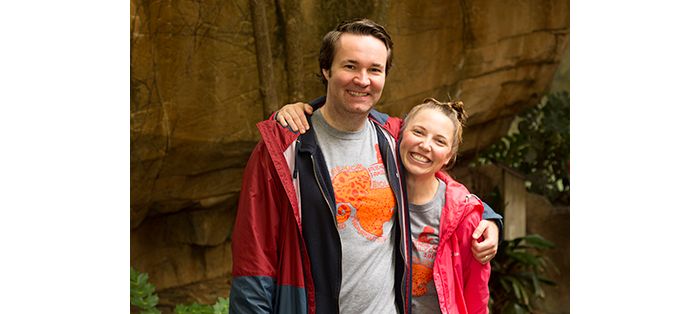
point(361, 107)
point(360, 110)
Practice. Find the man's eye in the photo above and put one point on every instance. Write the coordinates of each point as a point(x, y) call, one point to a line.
point(349, 66)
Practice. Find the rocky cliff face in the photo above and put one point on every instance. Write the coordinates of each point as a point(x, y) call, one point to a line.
point(203, 73)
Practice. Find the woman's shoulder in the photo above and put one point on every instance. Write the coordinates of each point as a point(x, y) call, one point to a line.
point(452, 185)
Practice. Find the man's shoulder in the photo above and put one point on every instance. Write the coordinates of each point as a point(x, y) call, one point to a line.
point(389, 123)
point(380, 117)
point(275, 136)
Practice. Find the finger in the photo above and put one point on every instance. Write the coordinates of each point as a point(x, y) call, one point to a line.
point(304, 120)
point(478, 249)
point(479, 229)
point(484, 256)
point(281, 119)
point(308, 109)
point(300, 119)
point(483, 248)
point(292, 123)
point(294, 113)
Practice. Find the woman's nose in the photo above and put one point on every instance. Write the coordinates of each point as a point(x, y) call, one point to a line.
point(424, 145)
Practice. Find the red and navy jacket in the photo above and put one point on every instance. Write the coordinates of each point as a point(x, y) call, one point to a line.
point(285, 246)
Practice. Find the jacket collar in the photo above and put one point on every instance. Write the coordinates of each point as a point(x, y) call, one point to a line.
point(454, 211)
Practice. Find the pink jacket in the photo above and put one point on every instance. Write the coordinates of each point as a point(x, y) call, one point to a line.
point(461, 281)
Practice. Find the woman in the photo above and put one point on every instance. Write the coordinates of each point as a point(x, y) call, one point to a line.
point(446, 276)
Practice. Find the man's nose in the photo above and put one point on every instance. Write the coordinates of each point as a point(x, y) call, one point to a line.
point(361, 79)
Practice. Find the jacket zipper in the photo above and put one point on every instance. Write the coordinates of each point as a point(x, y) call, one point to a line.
point(399, 201)
point(335, 221)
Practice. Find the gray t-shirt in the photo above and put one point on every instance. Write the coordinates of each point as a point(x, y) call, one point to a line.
point(365, 206)
point(425, 234)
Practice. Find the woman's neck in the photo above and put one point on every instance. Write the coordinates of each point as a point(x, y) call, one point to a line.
point(421, 189)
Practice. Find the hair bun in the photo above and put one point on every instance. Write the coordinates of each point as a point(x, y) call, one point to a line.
point(458, 107)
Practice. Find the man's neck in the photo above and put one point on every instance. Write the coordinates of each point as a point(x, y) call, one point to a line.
point(345, 122)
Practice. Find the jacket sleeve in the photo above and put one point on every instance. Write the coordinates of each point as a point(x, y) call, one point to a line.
point(475, 275)
point(490, 214)
point(254, 238)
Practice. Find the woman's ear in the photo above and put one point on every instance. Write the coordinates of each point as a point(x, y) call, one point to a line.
point(326, 74)
point(450, 160)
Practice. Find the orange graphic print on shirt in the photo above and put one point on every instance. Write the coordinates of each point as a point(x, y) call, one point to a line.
point(426, 245)
point(364, 196)
point(422, 275)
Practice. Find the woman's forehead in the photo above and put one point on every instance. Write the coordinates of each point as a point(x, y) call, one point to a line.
point(433, 119)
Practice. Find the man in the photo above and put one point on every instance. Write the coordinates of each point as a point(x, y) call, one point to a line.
point(322, 222)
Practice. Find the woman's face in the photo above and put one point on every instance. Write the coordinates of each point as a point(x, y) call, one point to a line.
point(426, 144)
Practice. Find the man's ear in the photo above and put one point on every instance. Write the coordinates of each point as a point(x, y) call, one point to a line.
point(326, 74)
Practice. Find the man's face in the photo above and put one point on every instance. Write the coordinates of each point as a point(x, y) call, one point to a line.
point(356, 77)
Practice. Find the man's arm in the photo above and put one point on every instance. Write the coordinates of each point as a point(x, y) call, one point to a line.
point(254, 238)
point(491, 228)
point(292, 116)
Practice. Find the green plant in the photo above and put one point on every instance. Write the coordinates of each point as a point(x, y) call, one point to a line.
point(539, 148)
point(144, 298)
point(517, 274)
point(221, 307)
point(143, 294)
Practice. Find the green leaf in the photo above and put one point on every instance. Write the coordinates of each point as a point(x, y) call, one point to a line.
point(538, 241)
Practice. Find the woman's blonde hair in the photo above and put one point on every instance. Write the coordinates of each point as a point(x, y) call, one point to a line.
point(454, 110)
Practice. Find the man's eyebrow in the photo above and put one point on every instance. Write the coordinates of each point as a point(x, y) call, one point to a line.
point(356, 62)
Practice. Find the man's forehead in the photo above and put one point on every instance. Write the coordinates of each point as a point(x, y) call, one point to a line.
point(345, 48)
point(350, 37)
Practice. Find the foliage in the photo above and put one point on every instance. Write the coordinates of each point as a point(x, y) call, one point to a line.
point(143, 293)
point(517, 274)
point(539, 148)
point(144, 298)
point(221, 307)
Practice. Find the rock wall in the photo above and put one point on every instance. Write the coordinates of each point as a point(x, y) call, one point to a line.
point(203, 73)
point(552, 223)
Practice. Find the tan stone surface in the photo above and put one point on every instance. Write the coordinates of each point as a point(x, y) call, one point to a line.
point(553, 224)
point(204, 292)
point(197, 92)
point(164, 248)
